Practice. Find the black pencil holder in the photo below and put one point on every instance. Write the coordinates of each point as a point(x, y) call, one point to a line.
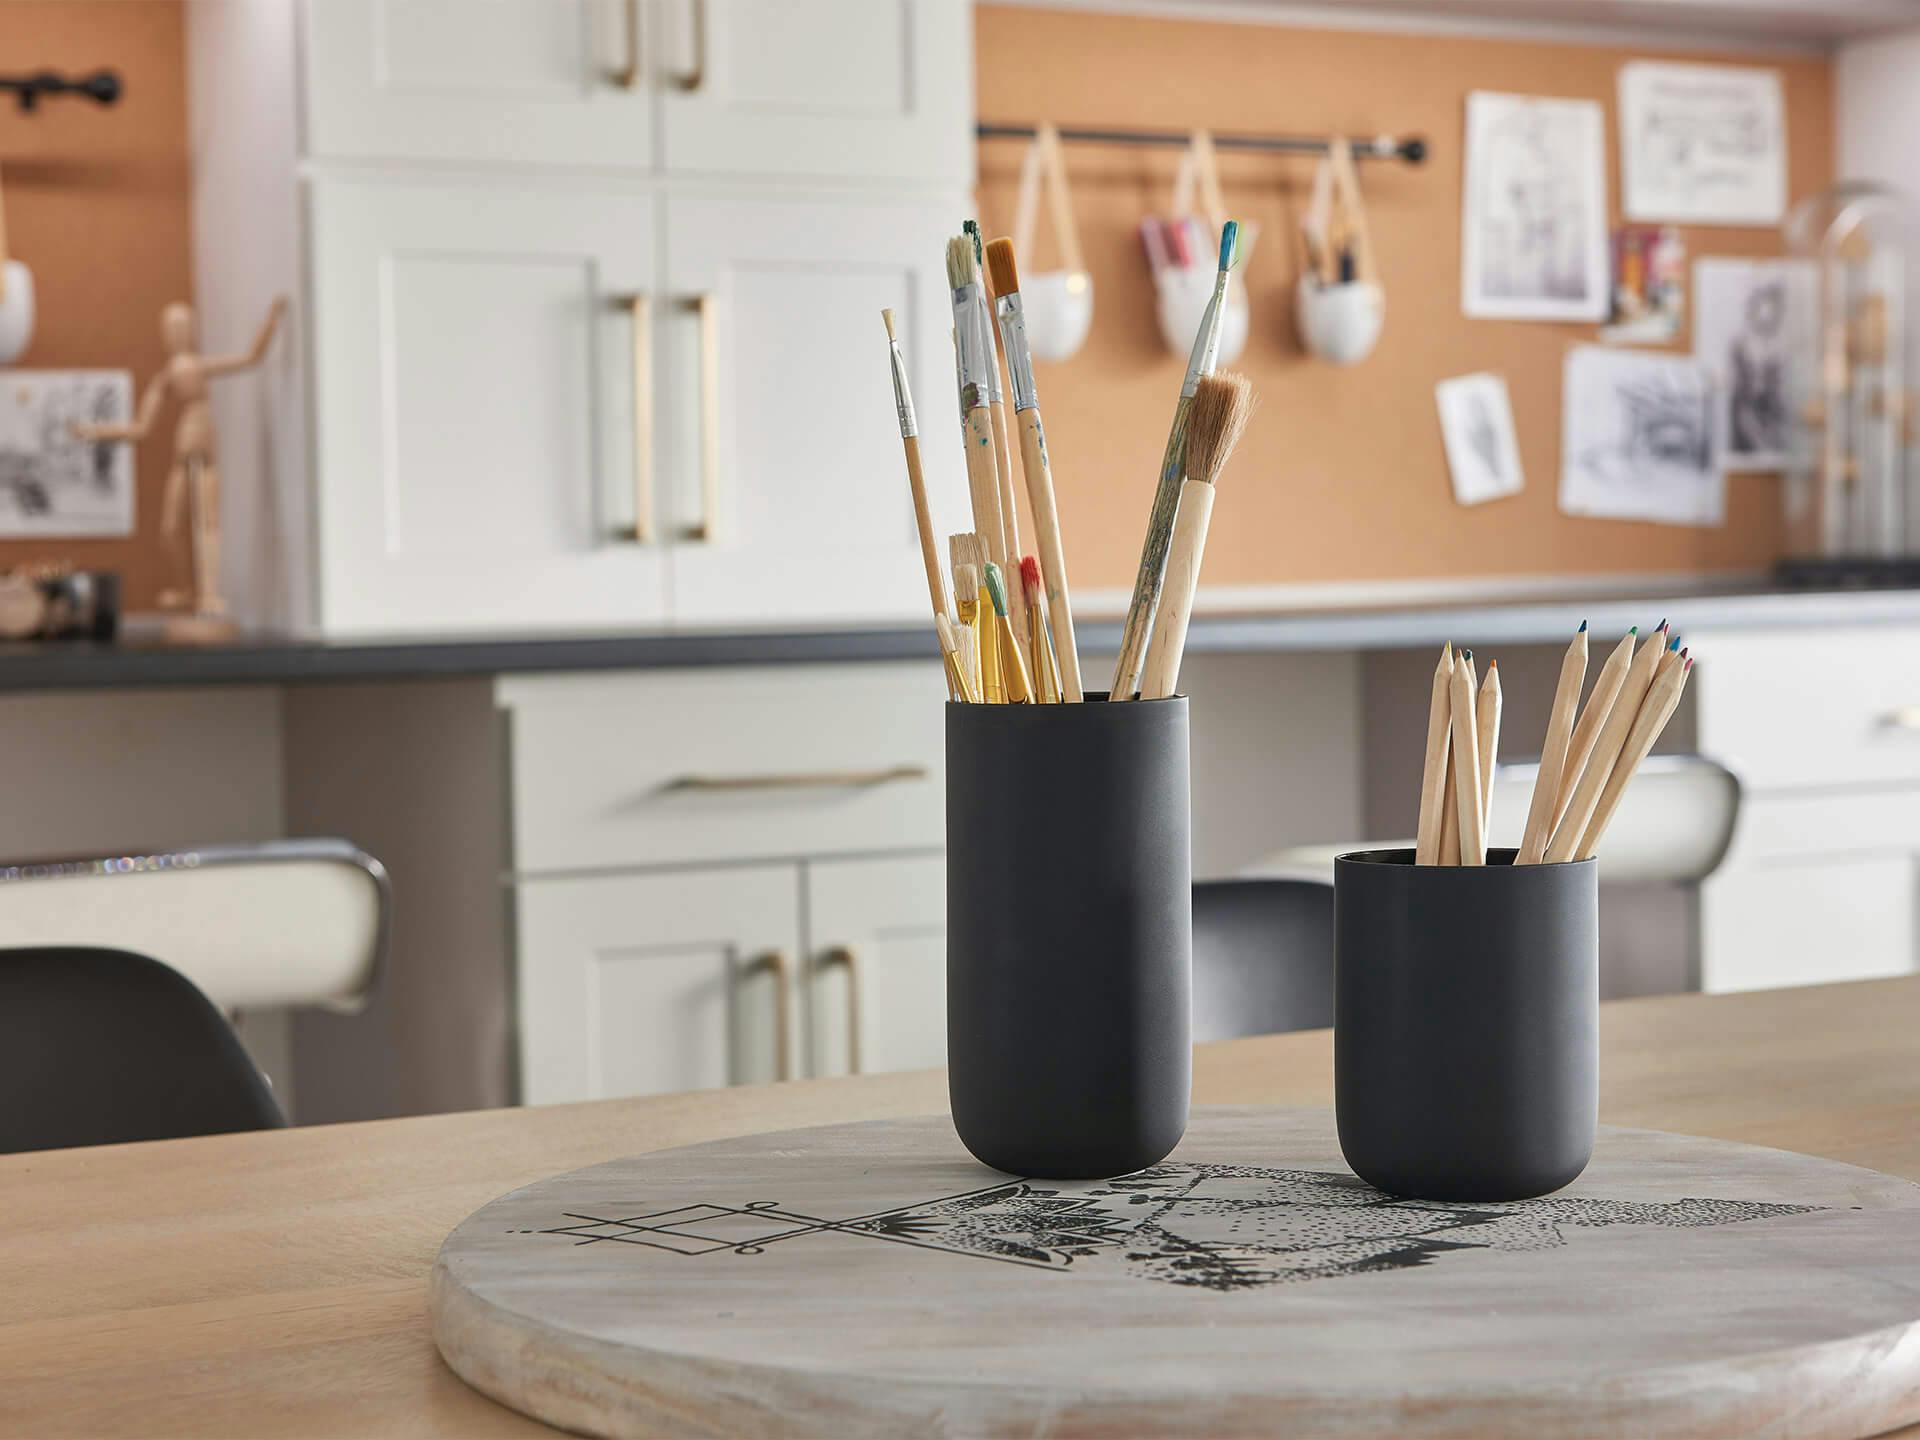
point(1069, 934)
point(1466, 1024)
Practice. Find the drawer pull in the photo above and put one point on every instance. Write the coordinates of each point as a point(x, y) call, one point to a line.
point(627, 77)
point(845, 955)
point(1907, 717)
point(707, 527)
point(695, 76)
point(781, 966)
point(801, 780)
point(640, 311)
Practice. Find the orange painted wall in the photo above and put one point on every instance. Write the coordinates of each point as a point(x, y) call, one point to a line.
point(1341, 476)
point(97, 206)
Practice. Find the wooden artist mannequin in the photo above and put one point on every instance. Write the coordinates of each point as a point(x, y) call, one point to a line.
point(193, 478)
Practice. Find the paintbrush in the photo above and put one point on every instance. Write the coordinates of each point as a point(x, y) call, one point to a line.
point(1046, 672)
point(966, 558)
point(916, 477)
point(958, 680)
point(1013, 670)
point(1166, 498)
point(974, 356)
point(1002, 446)
point(1035, 463)
point(1221, 406)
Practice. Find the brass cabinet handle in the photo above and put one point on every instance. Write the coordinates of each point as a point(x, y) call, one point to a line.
point(1907, 717)
point(801, 780)
point(695, 75)
point(640, 311)
point(781, 964)
point(627, 77)
point(847, 956)
point(706, 307)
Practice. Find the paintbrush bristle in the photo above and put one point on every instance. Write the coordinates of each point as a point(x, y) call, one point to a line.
point(1215, 422)
point(1000, 267)
point(967, 548)
point(886, 318)
point(963, 266)
point(1030, 574)
point(996, 587)
point(1229, 243)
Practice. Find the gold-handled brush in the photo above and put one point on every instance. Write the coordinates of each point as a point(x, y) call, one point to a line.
point(1221, 406)
point(1017, 688)
point(974, 356)
point(1035, 463)
point(1046, 672)
point(958, 680)
point(968, 586)
point(1166, 497)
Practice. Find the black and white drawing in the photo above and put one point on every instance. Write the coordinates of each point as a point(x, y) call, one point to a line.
point(1534, 221)
point(1219, 1227)
point(1704, 144)
point(1476, 426)
point(51, 483)
point(1640, 438)
point(1754, 334)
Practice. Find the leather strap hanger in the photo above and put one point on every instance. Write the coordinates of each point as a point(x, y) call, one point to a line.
point(1044, 163)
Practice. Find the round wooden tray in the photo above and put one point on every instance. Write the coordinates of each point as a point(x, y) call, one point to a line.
point(874, 1279)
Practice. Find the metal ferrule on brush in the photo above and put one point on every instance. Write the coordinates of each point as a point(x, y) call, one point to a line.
point(1013, 334)
point(974, 347)
point(902, 396)
point(995, 394)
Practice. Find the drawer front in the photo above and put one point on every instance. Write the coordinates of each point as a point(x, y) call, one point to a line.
point(688, 766)
point(1815, 707)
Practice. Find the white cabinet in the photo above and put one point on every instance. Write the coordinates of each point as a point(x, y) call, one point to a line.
point(858, 88)
point(642, 984)
point(854, 89)
point(876, 979)
point(788, 494)
point(513, 81)
point(478, 415)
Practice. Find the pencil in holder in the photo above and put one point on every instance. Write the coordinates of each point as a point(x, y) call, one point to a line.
point(1069, 934)
point(1466, 1024)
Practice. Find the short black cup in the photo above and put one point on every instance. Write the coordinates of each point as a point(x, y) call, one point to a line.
point(1069, 934)
point(1466, 1024)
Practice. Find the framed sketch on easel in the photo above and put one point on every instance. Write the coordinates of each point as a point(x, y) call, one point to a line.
point(1533, 242)
point(51, 482)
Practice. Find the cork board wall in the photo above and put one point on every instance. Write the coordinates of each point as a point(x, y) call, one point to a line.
point(1341, 477)
point(97, 205)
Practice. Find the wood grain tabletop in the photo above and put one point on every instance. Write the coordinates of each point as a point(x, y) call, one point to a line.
point(274, 1285)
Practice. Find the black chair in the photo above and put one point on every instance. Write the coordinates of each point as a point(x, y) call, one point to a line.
point(98, 1047)
point(1262, 957)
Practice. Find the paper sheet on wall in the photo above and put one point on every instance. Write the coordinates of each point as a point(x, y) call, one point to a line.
point(1640, 438)
point(1754, 333)
point(1533, 243)
point(1476, 426)
point(1705, 144)
point(50, 483)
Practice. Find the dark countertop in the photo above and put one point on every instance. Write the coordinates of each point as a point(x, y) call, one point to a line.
point(147, 660)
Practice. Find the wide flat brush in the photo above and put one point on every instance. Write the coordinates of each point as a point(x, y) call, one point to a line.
point(1221, 406)
point(1166, 497)
point(976, 418)
point(1035, 463)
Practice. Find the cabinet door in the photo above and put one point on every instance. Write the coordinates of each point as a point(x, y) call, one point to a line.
point(877, 965)
point(480, 436)
point(1808, 921)
point(549, 82)
point(641, 985)
point(876, 89)
point(788, 489)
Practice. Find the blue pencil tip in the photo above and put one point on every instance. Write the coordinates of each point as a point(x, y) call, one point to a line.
point(1674, 644)
point(1229, 243)
point(1583, 627)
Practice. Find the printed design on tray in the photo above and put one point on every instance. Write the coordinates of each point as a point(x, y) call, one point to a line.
point(1221, 1227)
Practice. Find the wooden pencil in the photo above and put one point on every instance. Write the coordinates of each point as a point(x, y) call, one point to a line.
point(1606, 689)
point(1607, 749)
point(1662, 700)
point(1672, 658)
point(1450, 817)
point(1553, 751)
point(1466, 764)
point(1433, 769)
point(1486, 722)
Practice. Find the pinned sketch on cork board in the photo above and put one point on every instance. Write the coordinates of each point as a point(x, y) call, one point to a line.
point(1640, 438)
point(1476, 427)
point(1704, 144)
point(1756, 317)
point(52, 484)
point(1534, 218)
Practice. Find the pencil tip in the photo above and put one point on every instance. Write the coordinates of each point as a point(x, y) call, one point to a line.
point(1674, 644)
point(1466, 654)
point(1446, 651)
point(1663, 622)
point(1583, 627)
point(1633, 630)
point(1492, 665)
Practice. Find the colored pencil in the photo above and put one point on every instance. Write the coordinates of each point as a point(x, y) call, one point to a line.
point(1553, 751)
point(1433, 770)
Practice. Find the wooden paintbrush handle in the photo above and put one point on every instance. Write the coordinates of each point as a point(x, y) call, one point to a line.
point(923, 521)
point(1189, 545)
point(1153, 560)
point(983, 484)
point(1009, 517)
point(1053, 558)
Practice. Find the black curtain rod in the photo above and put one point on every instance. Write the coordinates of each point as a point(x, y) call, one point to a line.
point(103, 86)
point(1412, 149)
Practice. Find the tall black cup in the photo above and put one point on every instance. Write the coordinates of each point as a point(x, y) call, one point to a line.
point(1466, 1024)
point(1069, 934)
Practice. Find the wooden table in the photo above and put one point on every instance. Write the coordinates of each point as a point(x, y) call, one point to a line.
point(275, 1284)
